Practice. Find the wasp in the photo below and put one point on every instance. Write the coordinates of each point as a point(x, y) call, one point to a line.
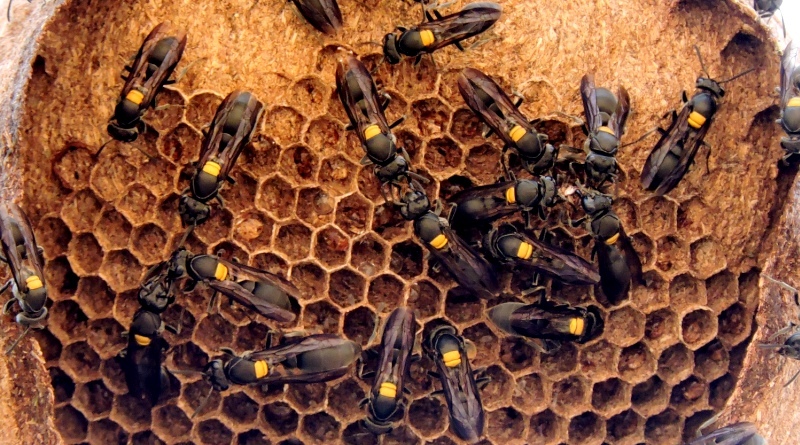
point(548, 321)
point(24, 258)
point(260, 291)
point(766, 8)
point(494, 107)
point(487, 203)
point(234, 123)
point(790, 104)
point(155, 62)
point(388, 388)
point(675, 151)
point(463, 262)
point(323, 15)
point(509, 246)
point(791, 346)
point(742, 433)
point(460, 386)
point(618, 262)
point(606, 115)
point(442, 31)
point(359, 97)
point(141, 360)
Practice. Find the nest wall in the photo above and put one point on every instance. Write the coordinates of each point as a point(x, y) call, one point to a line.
point(302, 206)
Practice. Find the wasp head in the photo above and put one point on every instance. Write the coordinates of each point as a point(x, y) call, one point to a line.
point(549, 186)
point(710, 85)
point(390, 51)
point(192, 211)
point(594, 202)
point(215, 372)
point(393, 170)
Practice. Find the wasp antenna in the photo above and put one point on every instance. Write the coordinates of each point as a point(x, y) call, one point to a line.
point(100, 150)
point(186, 234)
point(781, 283)
point(792, 379)
point(14, 345)
point(642, 137)
point(202, 404)
point(186, 371)
point(737, 76)
point(8, 12)
point(702, 64)
point(770, 345)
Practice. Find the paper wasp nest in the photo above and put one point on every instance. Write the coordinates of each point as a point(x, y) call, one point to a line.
point(672, 355)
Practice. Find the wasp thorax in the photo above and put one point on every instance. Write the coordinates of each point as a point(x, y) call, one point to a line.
point(216, 373)
point(710, 85)
point(145, 323)
point(415, 204)
point(607, 229)
point(390, 51)
point(526, 193)
point(604, 141)
point(550, 187)
point(593, 204)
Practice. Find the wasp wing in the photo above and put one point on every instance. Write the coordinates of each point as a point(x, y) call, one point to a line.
point(691, 143)
point(169, 60)
point(18, 232)
point(472, 20)
point(651, 175)
point(237, 117)
point(247, 299)
point(559, 263)
point(365, 110)
point(621, 114)
point(397, 343)
point(789, 63)
point(468, 267)
point(243, 272)
point(143, 371)
point(324, 15)
point(494, 192)
point(462, 396)
point(590, 109)
point(736, 434)
point(316, 358)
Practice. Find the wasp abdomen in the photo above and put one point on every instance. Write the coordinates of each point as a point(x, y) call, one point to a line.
point(241, 371)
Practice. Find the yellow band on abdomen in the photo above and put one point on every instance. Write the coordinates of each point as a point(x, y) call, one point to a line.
point(511, 197)
point(793, 102)
point(262, 369)
point(696, 120)
point(33, 282)
point(613, 240)
point(222, 272)
point(516, 133)
point(141, 340)
point(135, 96)
point(212, 168)
point(439, 242)
point(451, 359)
point(388, 389)
point(525, 251)
point(576, 326)
point(426, 36)
point(371, 132)
point(606, 130)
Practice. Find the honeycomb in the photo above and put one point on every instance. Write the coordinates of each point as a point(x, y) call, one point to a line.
point(303, 207)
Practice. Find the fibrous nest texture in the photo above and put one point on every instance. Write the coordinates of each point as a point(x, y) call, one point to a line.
point(302, 206)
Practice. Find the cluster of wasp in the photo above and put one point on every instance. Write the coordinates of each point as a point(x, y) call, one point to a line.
point(472, 241)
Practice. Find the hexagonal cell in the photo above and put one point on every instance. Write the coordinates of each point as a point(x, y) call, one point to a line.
point(310, 95)
point(260, 156)
point(80, 211)
point(111, 175)
point(368, 255)
point(239, 408)
point(402, 435)
point(331, 246)
point(570, 396)
point(359, 325)
point(324, 134)
point(663, 428)
point(322, 427)
point(424, 298)
point(707, 257)
point(113, 230)
point(217, 228)
point(214, 332)
point(280, 418)
point(625, 326)
point(68, 320)
point(322, 315)
point(636, 363)
point(270, 262)
point(599, 360)
point(343, 399)
point(368, 184)
point(546, 428)
point(431, 116)
point(113, 376)
point(93, 398)
point(298, 164)
point(70, 423)
point(306, 397)
point(62, 283)
point(561, 363)
point(73, 166)
point(749, 288)
point(146, 438)
point(158, 175)
point(240, 196)
point(81, 361)
point(711, 361)
point(253, 230)
point(504, 425)
point(182, 144)
point(252, 437)
point(389, 224)
point(645, 248)
point(462, 306)
point(121, 270)
point(347, 288)
point(658, 216)
point(734, 325)
point(516, 354)
point(317, 207)
point(675, 364)
point(483, 163)
point(673, 256)
point(624, 426)
point(337, 174)
point(137, 204)
point(721, 390)
point(722, 291)
point(63, 386)
point(213, 431)
point(428, 415)
point(96, 297)
point(276, 197)
point(586, 429)
point(690, 218)
point(385, 292)
point(467, 128)
point(106, 431)
point(195, 393)
point(53, 236)
point(406, 259)
point(611, 396)
point(698, 328)
point(353, 434)
point(693, 423)
point(133, 412)
point(285, 124)
point(251, 336)
point(294, 240)
point(661, 329)
point(49, 344)
point(189, 356)
point(531, 393)
point(169, 420)
point(146, 241)
point(310, 278)
point(650, 397)
point(486, 343)
point(442, 155)
point(202, 107)
point(688, 395)
point(105, 336)
point(686, 291)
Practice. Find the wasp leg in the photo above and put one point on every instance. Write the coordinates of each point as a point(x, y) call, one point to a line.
point(706, 424)
point(794, 377)
point(28, 328)
point(220, 200)
point(203, 403)
point(504, 163)
point(3, 289)
point(458, 45)
point(707, 145)
point(212, 301)
point(397, 122)
point(7, 305)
